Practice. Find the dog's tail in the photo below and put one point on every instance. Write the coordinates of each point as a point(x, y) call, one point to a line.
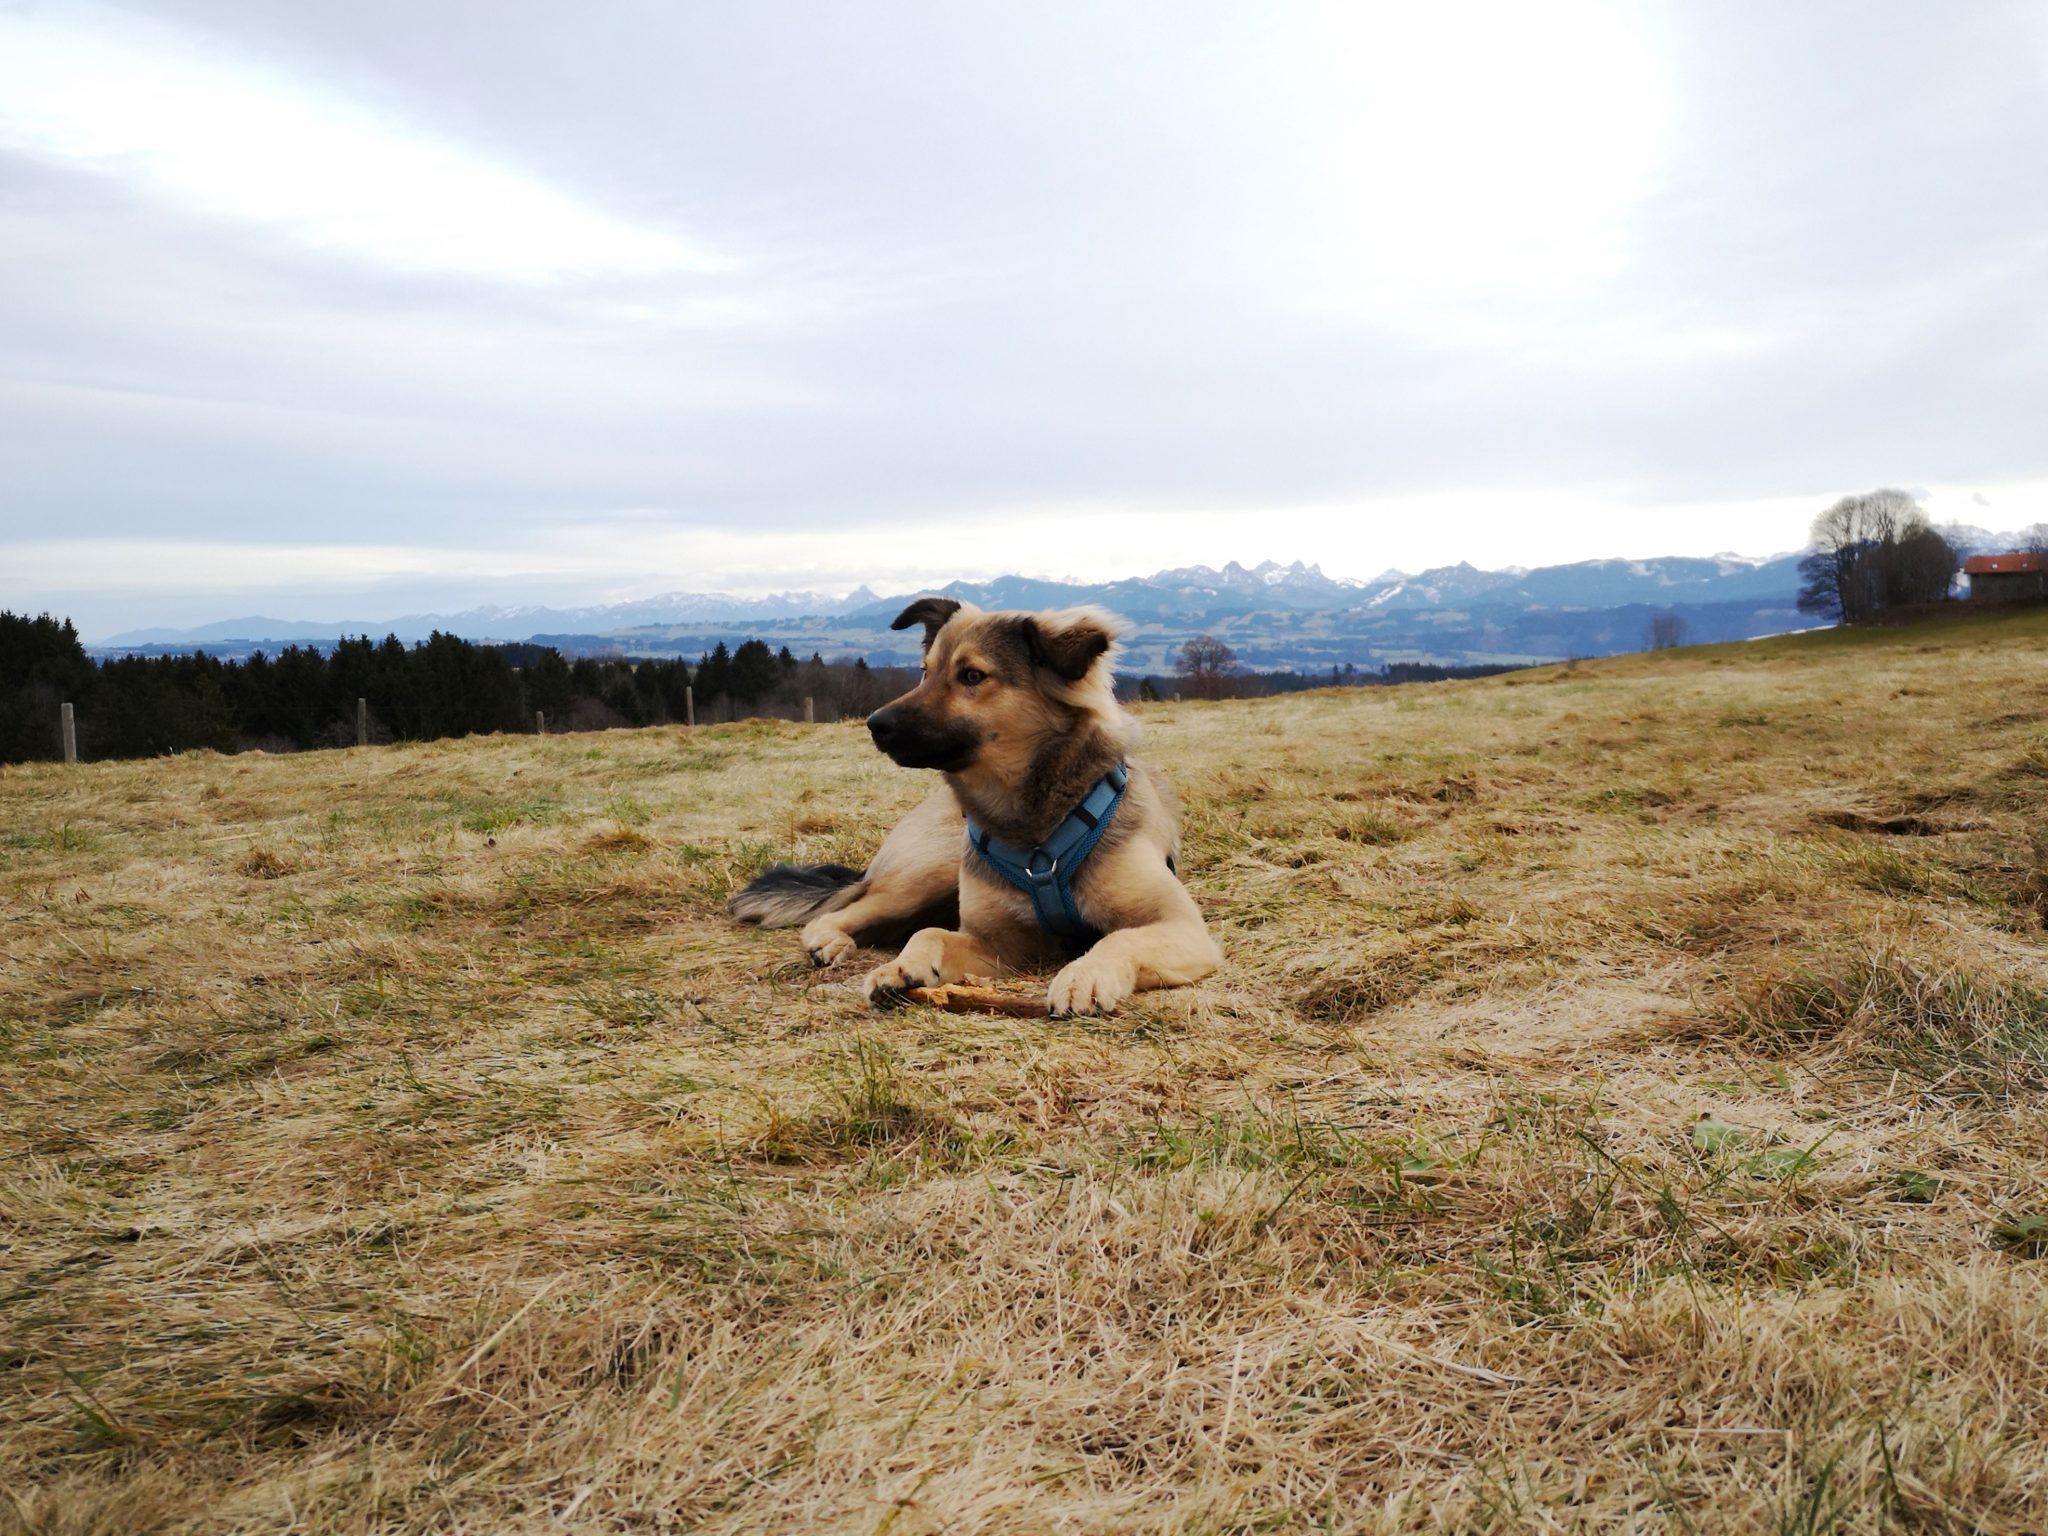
point(784, 895)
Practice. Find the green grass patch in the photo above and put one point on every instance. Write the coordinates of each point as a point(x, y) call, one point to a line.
point(489, 816)
point(1885, 1010)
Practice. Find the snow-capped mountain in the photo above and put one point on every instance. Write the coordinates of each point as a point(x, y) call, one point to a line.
point(1972, 540)
point(1182, 597)
point(1274, 615)
point(1293, 584)
point(514, 622)
point(1195, 594)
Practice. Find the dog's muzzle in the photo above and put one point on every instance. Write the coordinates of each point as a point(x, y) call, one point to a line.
point(914, 741)
point(886, 726)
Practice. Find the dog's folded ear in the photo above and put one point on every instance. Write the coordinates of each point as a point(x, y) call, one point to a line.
point(1068, 643)
point(931, 612)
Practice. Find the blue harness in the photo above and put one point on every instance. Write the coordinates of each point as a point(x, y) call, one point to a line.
point(1046, 873)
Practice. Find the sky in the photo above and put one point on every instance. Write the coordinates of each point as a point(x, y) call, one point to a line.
point(347, 311)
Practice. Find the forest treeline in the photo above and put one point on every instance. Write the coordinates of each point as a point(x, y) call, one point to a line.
point(304, 696)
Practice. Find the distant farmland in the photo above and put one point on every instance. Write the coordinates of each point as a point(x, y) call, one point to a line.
point(1622, 1108)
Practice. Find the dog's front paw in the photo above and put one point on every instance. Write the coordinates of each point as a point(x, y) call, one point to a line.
point(885, 985)
point(1090, 985)
point(827, 945)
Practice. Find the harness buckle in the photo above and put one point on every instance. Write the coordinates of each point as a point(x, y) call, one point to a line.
point(1041, 877)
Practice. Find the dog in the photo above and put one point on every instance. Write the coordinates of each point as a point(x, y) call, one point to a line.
point(1048, 843)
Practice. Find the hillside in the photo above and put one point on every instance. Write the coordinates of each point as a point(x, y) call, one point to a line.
point(1621, 1109)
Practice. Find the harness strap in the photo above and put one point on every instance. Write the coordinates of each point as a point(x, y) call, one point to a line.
point(1046, 873)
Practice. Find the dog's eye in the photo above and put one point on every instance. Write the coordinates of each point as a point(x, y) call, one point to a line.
point(969, 677)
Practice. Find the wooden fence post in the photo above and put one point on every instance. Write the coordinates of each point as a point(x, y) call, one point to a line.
point(689, 705)
point(362, 722)
point(810, 718)
point(70, 728)
point(540, 723)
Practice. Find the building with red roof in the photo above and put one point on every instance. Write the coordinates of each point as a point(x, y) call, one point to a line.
point(2014, 578)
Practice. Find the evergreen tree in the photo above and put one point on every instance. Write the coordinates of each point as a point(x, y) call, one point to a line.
point(714, 674)
point(398, 689)
point(675, 677)
point(352, 675)
point(549, 686)
point(647, 687)
point(621, 695)
point(754, 672)
point(42, 666)
point(304, 697)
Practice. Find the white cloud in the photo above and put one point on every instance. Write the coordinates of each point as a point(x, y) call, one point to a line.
point(1115, 288)
point(229, 136)
point(1473, 160)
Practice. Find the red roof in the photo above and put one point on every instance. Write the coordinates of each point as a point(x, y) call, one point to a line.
point(2004, 565)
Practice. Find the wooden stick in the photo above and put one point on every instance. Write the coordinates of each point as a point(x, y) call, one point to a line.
point(967, 997)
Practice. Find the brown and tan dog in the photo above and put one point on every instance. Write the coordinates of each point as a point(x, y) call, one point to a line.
point(1019, 713)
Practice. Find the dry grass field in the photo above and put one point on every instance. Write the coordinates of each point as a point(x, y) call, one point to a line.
point(1622, 1109)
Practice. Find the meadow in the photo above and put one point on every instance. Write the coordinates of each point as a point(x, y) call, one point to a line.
point(1621, 1109)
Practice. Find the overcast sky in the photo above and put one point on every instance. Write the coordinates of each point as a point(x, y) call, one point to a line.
point(345, 310)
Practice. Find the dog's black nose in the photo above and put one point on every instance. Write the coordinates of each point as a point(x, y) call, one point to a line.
point(885, 727)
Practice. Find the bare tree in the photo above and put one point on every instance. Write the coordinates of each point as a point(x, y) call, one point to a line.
point(1205, 665)
point(2034, 540)
point(1921, 567)
point(1874, 552)
point(1666, 632)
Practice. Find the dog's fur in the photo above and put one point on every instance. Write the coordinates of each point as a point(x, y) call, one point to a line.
point(1018, 712)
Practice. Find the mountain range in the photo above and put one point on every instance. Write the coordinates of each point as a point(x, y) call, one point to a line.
point(1273, 616)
